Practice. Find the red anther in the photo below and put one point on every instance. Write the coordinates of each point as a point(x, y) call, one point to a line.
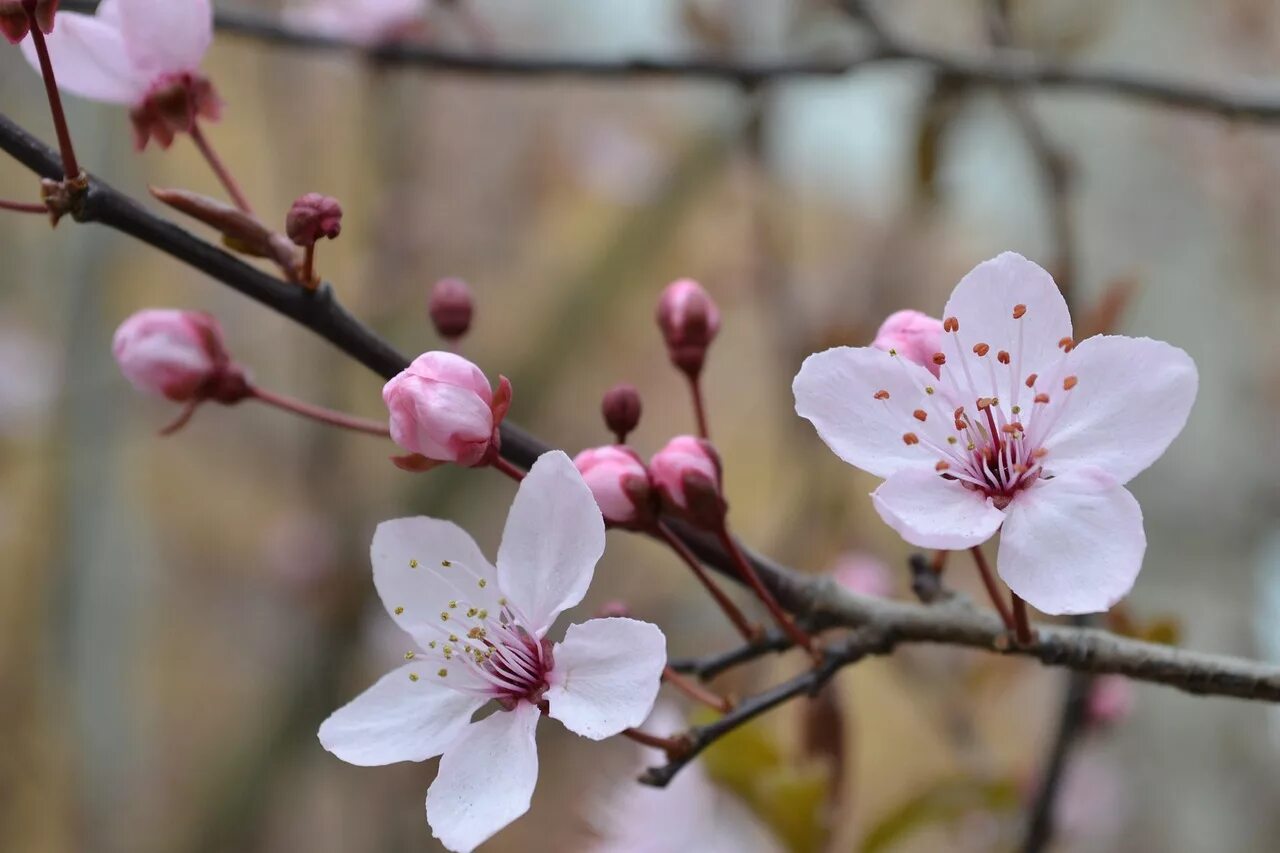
point(920, 415)
point(1011, 428)
point(1066, 344)
point(882, 394)
point(939, 359)
point(1031, 380)
point(981, 349)
point(951, 324)
point(1002, 357)
point(959, 412)
point(984, 403)
point(1042, 398)
point(910, 439)
point(1018, 311)
point(960, 426)
point(1069, 383)
point(942, 466)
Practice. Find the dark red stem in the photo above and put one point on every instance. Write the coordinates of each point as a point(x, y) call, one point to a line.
point(989, 581)
point(322, 415)
point(699, 408)
point(1021, 621)
point(22, 206)
point(70, 166)
point(748, 573)
point(507, 468)
point(696, 691)
point(219, 168)
point(749, 632)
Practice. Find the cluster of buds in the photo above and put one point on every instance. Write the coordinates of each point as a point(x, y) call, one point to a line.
point(689, 321)
point(15, 20)
point(682, 479)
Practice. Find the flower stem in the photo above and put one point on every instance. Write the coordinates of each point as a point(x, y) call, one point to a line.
point(748, 573)
point(309, 265)
point(22, 206)
point(219, 168)
point(749, 632)
point(674, 747)
point(320, 414)
point(507, 468)
point(696, 691)
point(939, 563)
point(989, 581)
point(1021, 622)
point(699, 407)
point(70, 166)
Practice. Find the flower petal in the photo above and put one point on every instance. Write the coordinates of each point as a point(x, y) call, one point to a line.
point(398, 719)
point(930, 512)
point(415, 585)
point(89, 57)
point(486, 779)
point(983, 303)
point(1131, 401)
point(837, 391)
point(606, 675)
point(1072, 544)
point(553, 539)
point(165, 36)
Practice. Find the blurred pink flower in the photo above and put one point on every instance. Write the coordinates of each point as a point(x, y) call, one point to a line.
point(913, 335)
point(481, 637)
point(14, 23)
point(690, 320)
point(1023, 431)
point(863, 574)
point(619, 481)
point(363, 22)
point(1092, 803)
point(686, 468)
point(443, 410)
point(300, 549)
point(1111, 700)
point(30, 380)
point(143, 54)
point(169, 353)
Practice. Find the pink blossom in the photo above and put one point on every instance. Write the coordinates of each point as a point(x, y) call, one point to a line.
point(863, 574)
point(619, 481)
point(1111, 700)
point(363, 22)
point(686, 468)
point(689, 320)
point(443, 409)
point(143, 54)
point(169, 353)
point(1024, 431)
point(913, 335)
point(15, 24)
point(481, 637)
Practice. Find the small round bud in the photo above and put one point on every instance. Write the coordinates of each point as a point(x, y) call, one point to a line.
point(689, 321)
point(686, 474)
point(614, 610)
point(451, 308)
point(313, 216)
point(914, 336)
point(443, 410)
point(178, 355)
point(620, 484)
point(621, 409)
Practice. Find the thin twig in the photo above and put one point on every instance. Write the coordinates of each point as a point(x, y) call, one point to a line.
point(707, 668)
point(1070, 725)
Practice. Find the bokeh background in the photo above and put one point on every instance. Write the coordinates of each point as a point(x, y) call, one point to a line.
point(177, 615)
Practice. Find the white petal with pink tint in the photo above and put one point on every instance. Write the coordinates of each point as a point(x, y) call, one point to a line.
point(398, 719)
point(1072, 544)
point(606, 675)
point(930, 512)
point(837, 391)
point(1131, 400)
point(486, 779)
point(553, 539)
point(90, 59)
point(165, 36)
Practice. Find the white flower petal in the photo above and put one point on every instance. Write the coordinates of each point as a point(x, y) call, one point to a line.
point(89, 57)
point(398, 719)
point(606, 675)
point(486, 779)
point(836, 390)
point(1132, 399)
point(930, 512)
point(1072, 544)
point(553, 539)
point(165, 36)
point(415, 585)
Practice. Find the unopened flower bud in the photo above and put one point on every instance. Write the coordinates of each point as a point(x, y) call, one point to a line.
point(915, 336)
point(689, 321)
point(14, 23)
point(621, 410)
point(863, 574)
point(1111, 700)
point(451, 307)
point(443, 410)
point(313, 216)
point(620, 484)
point(686, 474)
point(614, 610)
point(178, 355)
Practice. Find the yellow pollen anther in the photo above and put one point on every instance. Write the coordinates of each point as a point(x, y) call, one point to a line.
point(971, 447)
point(939, 359)
point(1017, 410)
point(453, 638)
point(483, 583)
point(409, 655)
point(413, 564)
point(1002, 357)
point(399, 610)
point(981, 349)
point(483, 614)
point(951, 324)
point(444, 615)
point(951, 439)
point(928, 389)
point(1069, 383)
point(471, 612)
point(446, 563)
point(442, 672)
point(476, 633)
point(1019, 310)
point(910, 439)
point(984, 403)
point(431, 645)
point(503, 601)
point(882, 394)
point(920, 415)
point(413, 676)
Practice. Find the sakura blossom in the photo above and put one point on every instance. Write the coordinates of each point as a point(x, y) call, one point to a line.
point(480, 637)
point(363, 22)
point(143, 54)
point(1024, 431)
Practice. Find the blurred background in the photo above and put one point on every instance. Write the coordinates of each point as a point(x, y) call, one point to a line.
point(178, 615)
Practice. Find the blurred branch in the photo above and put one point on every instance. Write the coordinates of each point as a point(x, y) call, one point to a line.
point(1071, 723)
point(1006, 67)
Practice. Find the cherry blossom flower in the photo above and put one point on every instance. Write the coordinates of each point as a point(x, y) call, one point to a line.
point(1024, 431)
point(363, 22)
point(481, 637)
point(143, 54)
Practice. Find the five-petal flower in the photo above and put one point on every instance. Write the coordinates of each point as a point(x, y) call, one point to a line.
point(1024, 431)
point(481, 637)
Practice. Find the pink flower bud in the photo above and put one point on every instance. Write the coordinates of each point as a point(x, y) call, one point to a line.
point(913, 335)
point(174, 354)
point(451, 308)
point(687, 475)
point(14, 23)
point(863, 574)
point(621, 410)
point(614, 610)
point(689, 321)
point(1111, 700)
point(313, 216)
point(619, 481)
point(443, 410)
